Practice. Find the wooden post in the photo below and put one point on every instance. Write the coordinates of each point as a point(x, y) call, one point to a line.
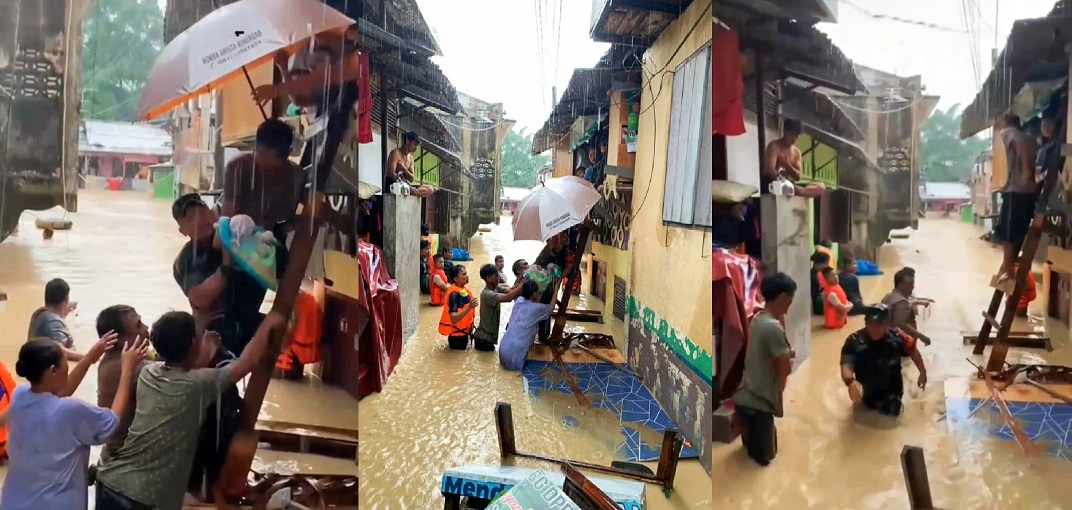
point(504, 424)
point(583, 492)
point(915, 473)
point(668, 458)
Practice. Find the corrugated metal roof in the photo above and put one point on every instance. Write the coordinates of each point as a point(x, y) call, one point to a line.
point(945, 191)
point(123, 138)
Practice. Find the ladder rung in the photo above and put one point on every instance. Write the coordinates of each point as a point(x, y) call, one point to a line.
point(993, 322)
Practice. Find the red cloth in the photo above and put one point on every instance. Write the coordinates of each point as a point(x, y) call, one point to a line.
point(735, 299)
point(727, 86)
point(381, 342)
point(364, 101)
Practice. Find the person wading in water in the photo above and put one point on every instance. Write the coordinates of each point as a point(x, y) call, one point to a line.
point(872, 356)
point(901, 304)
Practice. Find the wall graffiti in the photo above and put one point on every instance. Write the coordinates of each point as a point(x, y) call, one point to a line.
point(611, 220)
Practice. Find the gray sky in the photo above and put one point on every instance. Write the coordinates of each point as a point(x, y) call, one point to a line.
point(943, 58)
point(490, 50)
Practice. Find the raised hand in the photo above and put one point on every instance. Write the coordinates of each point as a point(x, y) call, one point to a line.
point(106, 342)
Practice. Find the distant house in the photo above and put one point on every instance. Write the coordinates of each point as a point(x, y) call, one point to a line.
point(121, 149)
point(512, 196)
point(944, 197)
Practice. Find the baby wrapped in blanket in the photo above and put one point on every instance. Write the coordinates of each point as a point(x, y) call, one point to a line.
point(252, 248)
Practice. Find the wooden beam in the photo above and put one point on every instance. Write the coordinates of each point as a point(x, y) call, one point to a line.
point(914, 468)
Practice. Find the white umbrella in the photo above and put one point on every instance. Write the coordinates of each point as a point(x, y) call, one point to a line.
point(221, 45)
point(552, 207)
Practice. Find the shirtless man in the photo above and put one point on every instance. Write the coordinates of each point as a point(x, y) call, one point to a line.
point(1018, 196)
point(400, 161)
point(783, 158)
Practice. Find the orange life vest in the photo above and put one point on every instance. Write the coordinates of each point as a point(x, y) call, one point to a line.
point(832, 317)
point(304, 345)
point(437, 293)
point(8, 387)
point(464, 326)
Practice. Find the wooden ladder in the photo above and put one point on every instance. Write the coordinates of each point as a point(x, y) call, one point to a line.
point(1000, 351)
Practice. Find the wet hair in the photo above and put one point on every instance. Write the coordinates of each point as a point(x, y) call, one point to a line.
point(437, 257)
point(900, 276)
point(37, 357)
point(529, 288)
point(499, 257)
point(487, 270)
point(426, 230)
point(776, 285)
point(425, 245)
point(446, 250)
point(184, 203)
point(516, 267)
point(113, 318)
point(791, 127)
point(827, 272)
point(847, 261)
point(276, 135)
point(56, 292)
point(412, 137)
point(1012, 120)
point(820, 258)
point(173, 336)
point(456, 272)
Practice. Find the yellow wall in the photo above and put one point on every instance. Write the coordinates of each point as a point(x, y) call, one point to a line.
point(562, 158)
point(999, 169)
point(670, 265)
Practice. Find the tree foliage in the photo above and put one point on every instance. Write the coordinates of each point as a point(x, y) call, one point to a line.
point(121, 39)
point(947, 158)
point(519, 166)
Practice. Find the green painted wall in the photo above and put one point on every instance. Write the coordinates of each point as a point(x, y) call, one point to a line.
point(425, 168)
point(692, 355)
point(822, 157)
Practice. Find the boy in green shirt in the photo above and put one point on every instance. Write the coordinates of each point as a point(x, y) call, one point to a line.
point(487, 332)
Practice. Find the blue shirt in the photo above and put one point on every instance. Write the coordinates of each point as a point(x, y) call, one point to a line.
point(521, 332)
point(48, 447)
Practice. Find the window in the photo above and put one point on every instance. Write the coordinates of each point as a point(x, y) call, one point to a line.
point(687, 199)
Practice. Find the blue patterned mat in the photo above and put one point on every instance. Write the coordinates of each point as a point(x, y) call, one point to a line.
point(1048, 425)
point(623, 394)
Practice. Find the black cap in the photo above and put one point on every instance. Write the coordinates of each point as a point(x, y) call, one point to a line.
point(876, 313)
point(181, 204)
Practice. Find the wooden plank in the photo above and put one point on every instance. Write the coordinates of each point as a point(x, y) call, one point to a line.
point(583, 492)
point(1014, 425)
point(668, 458)
point(543, 353)
point(914, 468)
point(300, 443)
point(560, 320)
point(504, 425)
point(1021, 341)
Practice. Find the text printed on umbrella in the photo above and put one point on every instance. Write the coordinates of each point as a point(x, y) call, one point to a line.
point(557, 221)
point(232, 50)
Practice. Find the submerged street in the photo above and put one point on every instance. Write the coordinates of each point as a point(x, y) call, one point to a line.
point(823, 441)
point(120, 251)
point(436, 411)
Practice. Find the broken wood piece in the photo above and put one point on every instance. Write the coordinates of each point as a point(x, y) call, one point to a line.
point(1050, 392)
point(914, 467)
point(1021, 339)
point(580, 317)
point(991, 320)
point(582, 491)
point(664, 474)
point(1025, 443)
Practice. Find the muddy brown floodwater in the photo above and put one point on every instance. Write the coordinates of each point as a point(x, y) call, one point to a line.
point(436, 412)
point(121, 250)
point(831, 457)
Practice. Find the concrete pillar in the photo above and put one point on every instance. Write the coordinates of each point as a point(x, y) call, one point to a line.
point(786, 249)
point(402, 251)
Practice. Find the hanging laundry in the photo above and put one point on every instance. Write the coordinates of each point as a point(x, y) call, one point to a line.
point(727, 86)
point(364, 102)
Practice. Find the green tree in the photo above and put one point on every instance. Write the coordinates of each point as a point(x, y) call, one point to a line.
point(947, 158)
point(519, 166)
point(121, 40)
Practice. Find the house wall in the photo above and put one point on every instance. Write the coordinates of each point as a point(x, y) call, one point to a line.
point(615, 261)
point(669, 327)
point(743, 156)
point(106, 161)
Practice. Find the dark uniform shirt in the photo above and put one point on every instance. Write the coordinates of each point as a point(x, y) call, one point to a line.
point(876, 363)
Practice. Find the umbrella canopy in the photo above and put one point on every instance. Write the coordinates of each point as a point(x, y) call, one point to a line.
point(553, 207)
point(218, 47)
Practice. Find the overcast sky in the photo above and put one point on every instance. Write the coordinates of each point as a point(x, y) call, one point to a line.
point(942, 57)
point(490, 50)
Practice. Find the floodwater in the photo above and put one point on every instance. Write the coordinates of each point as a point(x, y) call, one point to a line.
point(436, 412)
point(831, 457)
point(121, 250)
